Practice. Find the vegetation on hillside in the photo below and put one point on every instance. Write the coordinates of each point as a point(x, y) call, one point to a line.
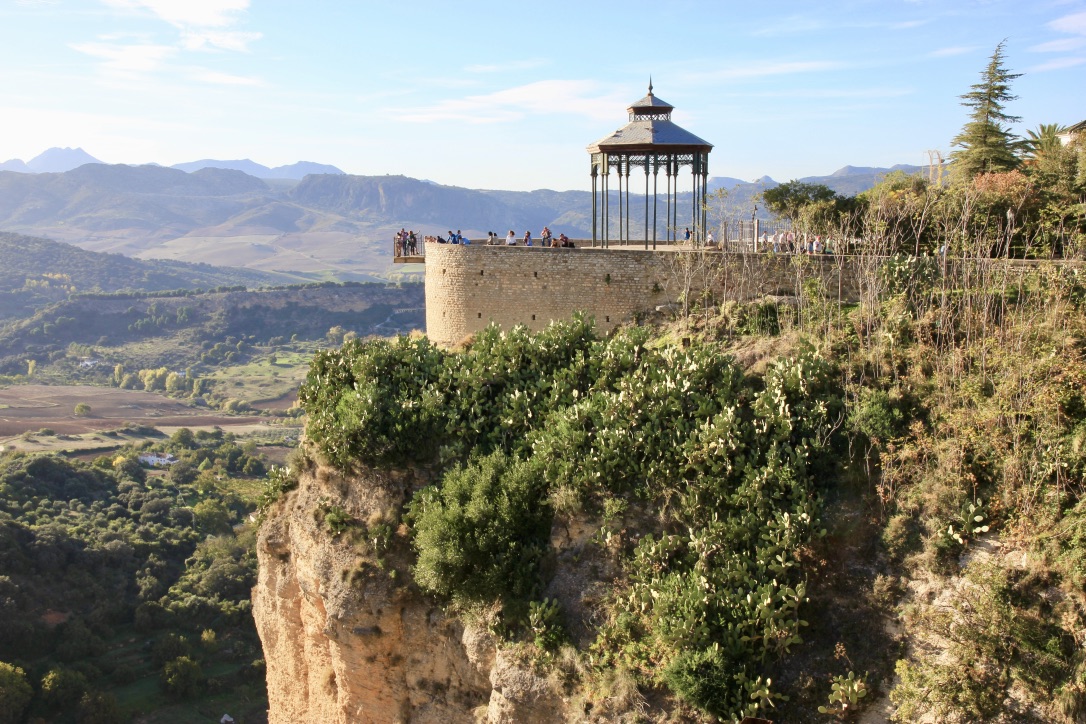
point(39, 271)
point(115, 580)
point(564, 420)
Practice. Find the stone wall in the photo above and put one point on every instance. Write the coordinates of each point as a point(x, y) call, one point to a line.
point(468, 287)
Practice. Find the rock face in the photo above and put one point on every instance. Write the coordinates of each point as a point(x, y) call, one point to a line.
point(345, 641)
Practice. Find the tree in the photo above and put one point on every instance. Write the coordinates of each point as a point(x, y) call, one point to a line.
point(1045, 140)
point(182, 677)
point(790, 198)
point(82, 409)
point(986, 142)
point(15, 693)
point(98, 708)
point(61, 689)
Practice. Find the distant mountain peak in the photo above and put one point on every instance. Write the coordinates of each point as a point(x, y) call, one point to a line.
point(59, 160)
point(15, 164)
point(296, 171)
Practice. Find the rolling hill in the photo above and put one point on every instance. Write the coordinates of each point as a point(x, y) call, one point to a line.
point(40, 271)
point(328, 225)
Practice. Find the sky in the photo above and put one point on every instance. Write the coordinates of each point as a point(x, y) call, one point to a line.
point(508, 94)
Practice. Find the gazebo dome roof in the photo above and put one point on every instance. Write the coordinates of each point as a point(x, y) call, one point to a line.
point(651, 130)
point(647, 134)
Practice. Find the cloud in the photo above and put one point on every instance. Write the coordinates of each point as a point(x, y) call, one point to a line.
point(953, 50)
point(189, 13)
point(568, 97)
point(1062, 45)
point(1074, 24)
point(237, 41)
point(203, 24)
point(127, 60)
point(1058, 64)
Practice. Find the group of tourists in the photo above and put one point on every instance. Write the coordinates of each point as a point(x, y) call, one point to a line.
point(452, 238)
point(546, 239)
point(788, 242)
point(407, 243)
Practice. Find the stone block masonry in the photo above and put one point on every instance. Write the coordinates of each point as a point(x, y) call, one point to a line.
point(468, 287)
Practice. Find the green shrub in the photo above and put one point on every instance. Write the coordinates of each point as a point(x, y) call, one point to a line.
point(182, 678)
point(481, 534)
point(15, 693)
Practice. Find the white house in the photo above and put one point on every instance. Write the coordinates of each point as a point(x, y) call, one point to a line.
point(157, 459)
point(1071, 132)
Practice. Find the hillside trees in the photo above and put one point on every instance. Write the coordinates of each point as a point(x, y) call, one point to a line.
point(985, 143)
point(119, 552)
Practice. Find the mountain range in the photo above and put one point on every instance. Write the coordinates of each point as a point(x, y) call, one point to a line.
point(59, 160)
point(330, 224)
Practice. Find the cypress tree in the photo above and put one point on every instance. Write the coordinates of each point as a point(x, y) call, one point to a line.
point(986, 142)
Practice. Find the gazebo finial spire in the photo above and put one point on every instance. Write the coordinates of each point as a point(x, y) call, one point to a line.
point(650, 85)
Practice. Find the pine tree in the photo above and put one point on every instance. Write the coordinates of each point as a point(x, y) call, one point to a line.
point(986, 142)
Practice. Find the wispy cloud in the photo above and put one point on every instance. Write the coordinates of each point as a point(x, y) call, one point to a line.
point(1063, 45)
point(189, 13)
point(1058, 64)
point(578, 97)
point(201, 25)
point(908, 24)
point(953, 50)
point(526, 64)
point(127, 59)
point(1074, 24)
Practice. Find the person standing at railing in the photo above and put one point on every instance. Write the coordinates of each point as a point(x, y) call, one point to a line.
point(527, 238)
point(511, 239)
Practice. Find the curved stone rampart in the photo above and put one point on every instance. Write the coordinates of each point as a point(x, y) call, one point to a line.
point(468, 287)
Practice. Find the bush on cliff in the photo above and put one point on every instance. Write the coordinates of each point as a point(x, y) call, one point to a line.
point(481, 534)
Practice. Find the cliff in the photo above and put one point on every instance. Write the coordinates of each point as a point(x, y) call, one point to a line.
point(347, 636)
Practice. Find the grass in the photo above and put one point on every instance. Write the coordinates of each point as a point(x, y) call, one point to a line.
point(260, 381)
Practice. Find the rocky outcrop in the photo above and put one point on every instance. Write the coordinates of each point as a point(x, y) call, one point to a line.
point(347, 636)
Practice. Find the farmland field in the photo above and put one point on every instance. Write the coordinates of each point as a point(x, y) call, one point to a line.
point(32, 407)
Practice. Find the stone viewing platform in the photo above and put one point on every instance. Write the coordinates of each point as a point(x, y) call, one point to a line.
point(468, 287)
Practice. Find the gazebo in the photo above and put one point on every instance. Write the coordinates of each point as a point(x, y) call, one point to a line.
point(654, 142)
